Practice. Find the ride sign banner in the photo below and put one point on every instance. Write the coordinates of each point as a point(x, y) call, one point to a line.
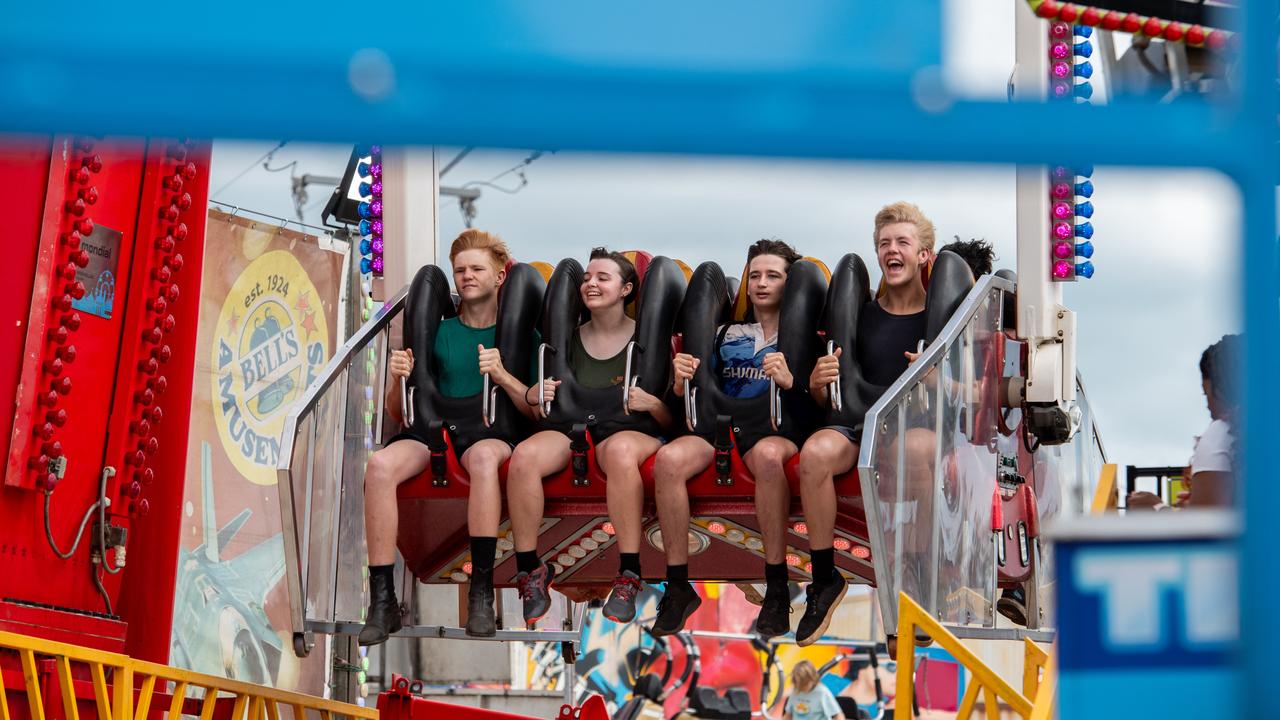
point(268, 323)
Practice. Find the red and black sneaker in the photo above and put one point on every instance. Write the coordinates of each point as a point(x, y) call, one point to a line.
point(621, 603)
point(535, 591)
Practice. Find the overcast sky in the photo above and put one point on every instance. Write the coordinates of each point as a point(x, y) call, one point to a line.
point(1167, 241)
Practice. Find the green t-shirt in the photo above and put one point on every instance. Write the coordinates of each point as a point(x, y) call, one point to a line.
point(594, 373)
point(457, 357)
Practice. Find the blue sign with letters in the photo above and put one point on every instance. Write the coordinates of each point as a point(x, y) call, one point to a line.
point(1148, 616)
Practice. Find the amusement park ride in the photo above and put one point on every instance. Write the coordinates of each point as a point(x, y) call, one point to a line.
point(101, 282)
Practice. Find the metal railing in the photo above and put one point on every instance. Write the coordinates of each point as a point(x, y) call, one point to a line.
point(124, 688)
point(929, 461)
point(328, 435)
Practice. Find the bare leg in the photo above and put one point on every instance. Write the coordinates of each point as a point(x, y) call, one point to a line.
point(620, 457)
point(484, 504)
point(826, 453)
point(386, 469)
point(678, 461)
point(537, 457)
point(920, 487)
point(766, 461)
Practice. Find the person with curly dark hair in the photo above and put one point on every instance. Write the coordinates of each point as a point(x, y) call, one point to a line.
point(979, 255)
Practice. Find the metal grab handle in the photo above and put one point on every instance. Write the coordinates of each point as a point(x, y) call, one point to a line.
point(833, 388)
point(542, 378)
point(628, 382)
point(489, 402)
point(690, 406)
point(406, 403)
point(775, 405)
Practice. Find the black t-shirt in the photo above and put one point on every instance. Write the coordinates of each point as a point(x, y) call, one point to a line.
point(882, 340)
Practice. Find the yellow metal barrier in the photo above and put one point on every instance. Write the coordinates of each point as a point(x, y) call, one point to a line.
point(984, 682)
point(1106, 497)
point(124, 688)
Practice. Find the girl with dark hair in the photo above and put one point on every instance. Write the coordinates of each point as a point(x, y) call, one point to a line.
point(597, 357)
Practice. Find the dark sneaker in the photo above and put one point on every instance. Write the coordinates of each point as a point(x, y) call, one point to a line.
point(535, 591)
point(820, 604)
point(775, 612)
point(481, 619)
point(1013, 605)
point(383, 618)
point(677, 604)
point(621, 603)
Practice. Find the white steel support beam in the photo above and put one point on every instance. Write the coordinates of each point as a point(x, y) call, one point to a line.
point(408, 214)
point(1043, 322)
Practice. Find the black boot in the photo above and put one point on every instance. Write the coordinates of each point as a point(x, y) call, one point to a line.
point(384, 611)
point(481, 620)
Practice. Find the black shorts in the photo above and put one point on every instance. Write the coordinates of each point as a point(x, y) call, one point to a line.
point(459, 447)
point(852, 434)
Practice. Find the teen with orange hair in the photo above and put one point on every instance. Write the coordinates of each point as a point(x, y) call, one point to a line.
point(464, 352)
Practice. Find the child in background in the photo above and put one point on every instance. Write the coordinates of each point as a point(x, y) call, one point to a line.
point(810, 699)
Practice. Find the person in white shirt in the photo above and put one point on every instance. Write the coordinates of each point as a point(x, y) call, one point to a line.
point(1213, 464)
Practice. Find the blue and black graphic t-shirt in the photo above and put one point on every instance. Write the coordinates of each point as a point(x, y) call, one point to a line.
point(740, 359)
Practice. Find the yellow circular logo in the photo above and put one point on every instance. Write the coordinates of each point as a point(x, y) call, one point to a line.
point(270, 343)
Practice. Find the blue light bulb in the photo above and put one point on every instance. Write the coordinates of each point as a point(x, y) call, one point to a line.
point(1084, 249)
point(1083, 70)
point(1084, 269)
point(366, 189)
point(1084, 90)
point(1083, 31)
point(363, 169)
point(366, 227)
point(1084, 48)
point(1084, 209)
point(363, 209)
point(1084, 189)
point(1085, 171)
point(366, 246)
point(365, 266)
point(1084, 230)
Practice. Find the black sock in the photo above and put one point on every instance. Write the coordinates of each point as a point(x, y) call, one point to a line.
point(678, 572)
point(386, 572)
point(824, 564)
point(775, 574)
point(526, 561)
point(483, 552)
point(629, 561)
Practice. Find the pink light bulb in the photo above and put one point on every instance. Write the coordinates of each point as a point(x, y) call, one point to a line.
point(1061, 270)
point(1062, 174)
point(1061, 191)
point(378, 246)
point(376, 169)
point(375, 207)
point(376, 188)
point(1063, 250)
point(1061, 69)
point(1061, 211)
point(1062, 231)
point(1060, 30)
point(377, 227)
point(1061, 88)
point(377, 265)
point(1059, 51)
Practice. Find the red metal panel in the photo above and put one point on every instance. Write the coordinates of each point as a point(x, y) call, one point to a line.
point(92, 631)
point(146, 601)
point(24, 173)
